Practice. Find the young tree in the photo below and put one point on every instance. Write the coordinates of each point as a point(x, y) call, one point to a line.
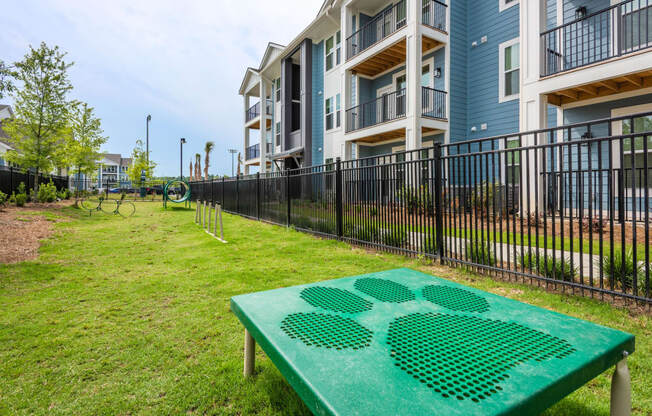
point(208, 148)
point(84, 140)
point(197, 167)
point(40, 109)
point(5, 80)
point(139, 163)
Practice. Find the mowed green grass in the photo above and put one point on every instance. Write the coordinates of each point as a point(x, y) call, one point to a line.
point(132, 317)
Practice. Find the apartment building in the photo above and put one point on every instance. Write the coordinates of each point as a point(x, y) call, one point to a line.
point(114, 169)
point(369, 77)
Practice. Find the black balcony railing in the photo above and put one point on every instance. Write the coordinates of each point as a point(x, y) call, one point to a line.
point(252, 152)
point(387, 22)
point(433, 14)
point(433, 103)
point(254, 110)
point(386, 108)
point(617, 30)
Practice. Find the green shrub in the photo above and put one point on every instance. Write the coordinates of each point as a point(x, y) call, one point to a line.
point(20, 199)
point(3, 198)
point(480, 253)
point(64, 194)
point(552, 268)
point(47, 192)
point(620, 271)
point(21, 188)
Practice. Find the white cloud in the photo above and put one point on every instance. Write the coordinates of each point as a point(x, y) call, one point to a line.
point(181, 61)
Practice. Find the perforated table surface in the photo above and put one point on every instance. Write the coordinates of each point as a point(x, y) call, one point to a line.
point(402, 342)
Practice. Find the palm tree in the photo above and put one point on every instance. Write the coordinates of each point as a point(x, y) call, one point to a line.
point(197, 166)
point(190, 177)
point(207, 149)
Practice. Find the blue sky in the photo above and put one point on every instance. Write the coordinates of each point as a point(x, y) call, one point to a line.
point(180, 61)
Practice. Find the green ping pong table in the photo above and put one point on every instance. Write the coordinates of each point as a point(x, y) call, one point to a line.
point(402, 342)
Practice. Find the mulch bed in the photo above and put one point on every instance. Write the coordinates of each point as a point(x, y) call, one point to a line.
point(22, 231)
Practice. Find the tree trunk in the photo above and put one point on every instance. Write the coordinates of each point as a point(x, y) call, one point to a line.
point(35, 183)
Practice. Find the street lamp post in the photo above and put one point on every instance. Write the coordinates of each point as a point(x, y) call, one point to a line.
point(149, 118)
point(182, 141)
point(233, 152)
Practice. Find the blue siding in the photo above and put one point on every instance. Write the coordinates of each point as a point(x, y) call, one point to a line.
point(458, 64)
point(592, 6)
point(485, 19)
point(318, 103)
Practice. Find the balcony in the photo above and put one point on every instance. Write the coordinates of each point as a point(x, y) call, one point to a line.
point(618, 30)
point(380, 110)
point(433, 103)
point(252, 152)
point(433, 14)
point(254, 111)
point(383, 25)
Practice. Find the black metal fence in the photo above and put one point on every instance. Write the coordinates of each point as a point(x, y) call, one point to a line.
point(10, 179)
point(547, 206)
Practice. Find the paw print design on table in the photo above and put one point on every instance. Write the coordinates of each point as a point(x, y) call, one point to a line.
point(459, 355)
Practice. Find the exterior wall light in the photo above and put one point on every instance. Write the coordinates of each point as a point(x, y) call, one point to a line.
point(580, 12)
point(437, 72)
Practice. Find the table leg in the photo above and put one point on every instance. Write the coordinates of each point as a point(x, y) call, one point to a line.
point(249, 354)
point(621, 390)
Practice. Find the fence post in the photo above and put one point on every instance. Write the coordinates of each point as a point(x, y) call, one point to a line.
point(439, 220)
point(287, 193)
point(258, 195)
point(338, 198)
point(237, 194)
point(11, 179)
point(621, 195)
point(222, 199)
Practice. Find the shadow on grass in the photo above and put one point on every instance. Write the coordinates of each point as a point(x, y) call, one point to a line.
point(281, 395)
point(571, 407)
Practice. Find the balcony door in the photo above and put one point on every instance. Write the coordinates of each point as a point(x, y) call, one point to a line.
point(401, 98)
point(383, 105)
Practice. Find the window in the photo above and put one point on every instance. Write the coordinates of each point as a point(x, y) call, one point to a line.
point(506, 4)
point(509, 82)
point(277, 87)
point(338, 117)
point(513, 162)
point(278, 133)
point(338, 47)
point(329, 113)
point(634, 160)
point(333, 51)
point(425, 76)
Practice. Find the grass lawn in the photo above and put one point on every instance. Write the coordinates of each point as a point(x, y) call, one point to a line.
point(132, 317)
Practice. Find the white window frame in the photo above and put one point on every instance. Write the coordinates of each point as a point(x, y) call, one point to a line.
point(332, 113)
point(501, 71)
point(277, 134)
point(336, 52)
point(617, 130)
point(338, 108)
point(504, 5)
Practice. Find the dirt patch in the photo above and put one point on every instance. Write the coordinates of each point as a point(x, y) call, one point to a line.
point(22, 231)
